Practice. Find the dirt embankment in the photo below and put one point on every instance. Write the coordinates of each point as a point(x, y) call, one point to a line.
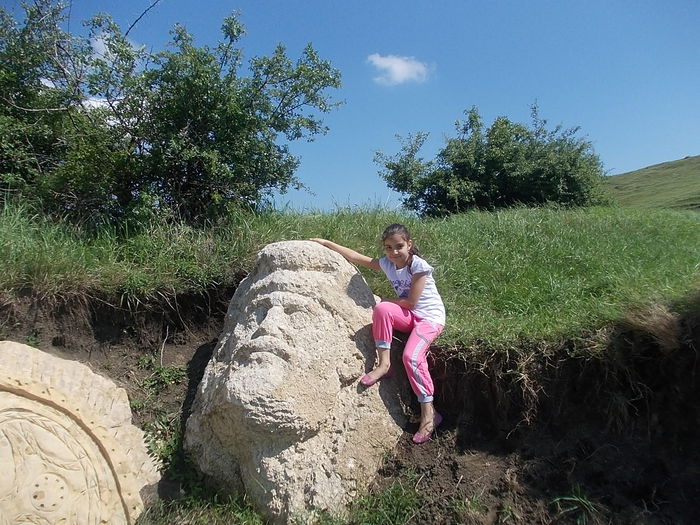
point(565, 434)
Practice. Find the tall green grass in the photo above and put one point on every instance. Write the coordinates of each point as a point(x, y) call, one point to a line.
point(57, 258)
point(547, 274)
point(522, 274)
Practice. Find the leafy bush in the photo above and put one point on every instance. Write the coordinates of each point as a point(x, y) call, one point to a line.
point(505, 165)
point(109, 131)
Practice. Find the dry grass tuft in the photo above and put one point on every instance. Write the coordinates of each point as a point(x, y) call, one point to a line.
point(659, 322)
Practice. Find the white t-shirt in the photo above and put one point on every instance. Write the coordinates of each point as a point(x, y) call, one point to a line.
point(430, 304)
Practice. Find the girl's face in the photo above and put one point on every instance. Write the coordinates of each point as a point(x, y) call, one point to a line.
point(398, 249)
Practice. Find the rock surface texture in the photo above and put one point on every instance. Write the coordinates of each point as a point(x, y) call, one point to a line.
point(279, 412)
point(68, 450)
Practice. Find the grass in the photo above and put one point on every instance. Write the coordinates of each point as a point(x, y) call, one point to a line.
point(547, 275)
point(468, 509)
point(398, 504)
point(196, 511)
point(579, 507)
point(59, 259)
point(673, 184)
point(506, 277)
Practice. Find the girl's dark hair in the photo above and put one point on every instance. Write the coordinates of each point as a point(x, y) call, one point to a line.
point(400, 229)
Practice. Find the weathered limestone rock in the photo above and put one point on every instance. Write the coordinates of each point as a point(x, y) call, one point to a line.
point(68, 450)
point(279, 412)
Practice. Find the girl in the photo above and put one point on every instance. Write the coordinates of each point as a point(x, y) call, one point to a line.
point(417, 310)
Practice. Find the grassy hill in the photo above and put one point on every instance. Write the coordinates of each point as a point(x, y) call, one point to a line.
point(674, 184)
point(532, 274)
point(571, 340)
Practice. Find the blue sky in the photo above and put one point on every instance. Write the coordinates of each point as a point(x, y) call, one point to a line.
point(626, 72)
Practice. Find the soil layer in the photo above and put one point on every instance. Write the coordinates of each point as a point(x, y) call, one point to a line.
point(530, 435)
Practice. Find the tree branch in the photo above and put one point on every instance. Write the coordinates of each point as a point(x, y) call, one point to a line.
point(35, 110)
point(141, 16)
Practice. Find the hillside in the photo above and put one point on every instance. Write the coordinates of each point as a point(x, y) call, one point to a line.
point(674, 184)
point(566, 375)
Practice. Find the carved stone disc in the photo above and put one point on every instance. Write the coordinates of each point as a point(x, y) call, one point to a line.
point(68, 451)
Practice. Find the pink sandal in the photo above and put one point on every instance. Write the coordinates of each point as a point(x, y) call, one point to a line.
point(419, 438)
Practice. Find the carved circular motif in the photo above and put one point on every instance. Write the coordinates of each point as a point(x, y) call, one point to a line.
point(58, 472)
point(68, 451)
point(48, 492)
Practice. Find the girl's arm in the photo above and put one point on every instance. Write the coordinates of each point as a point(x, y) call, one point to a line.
point(417, 286)
point(349, 254)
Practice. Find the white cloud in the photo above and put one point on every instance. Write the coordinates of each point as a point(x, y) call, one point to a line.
point(397, 70)
point(99, 46)
point(95, 103)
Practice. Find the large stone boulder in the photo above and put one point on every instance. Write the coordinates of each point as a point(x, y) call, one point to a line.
point(279, 412)
point(68, 450)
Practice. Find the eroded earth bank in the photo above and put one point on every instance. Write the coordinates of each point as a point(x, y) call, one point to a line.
point(602, 429)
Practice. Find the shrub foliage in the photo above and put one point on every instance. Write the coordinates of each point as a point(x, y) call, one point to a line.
point(93, 126)
point(504, 165)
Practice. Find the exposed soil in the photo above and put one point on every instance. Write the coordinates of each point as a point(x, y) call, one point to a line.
point(532, 435)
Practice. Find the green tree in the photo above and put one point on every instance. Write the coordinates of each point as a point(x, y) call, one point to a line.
point(505, 165)
point(37, 91)
point(179, 132)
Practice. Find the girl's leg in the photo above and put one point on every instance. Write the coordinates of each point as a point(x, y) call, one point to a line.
point(430, 419)
point(385, 317)
point(383, 365)
point(427, 416)
point(415, 359)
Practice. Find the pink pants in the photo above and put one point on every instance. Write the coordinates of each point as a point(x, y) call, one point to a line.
point(389, 316)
